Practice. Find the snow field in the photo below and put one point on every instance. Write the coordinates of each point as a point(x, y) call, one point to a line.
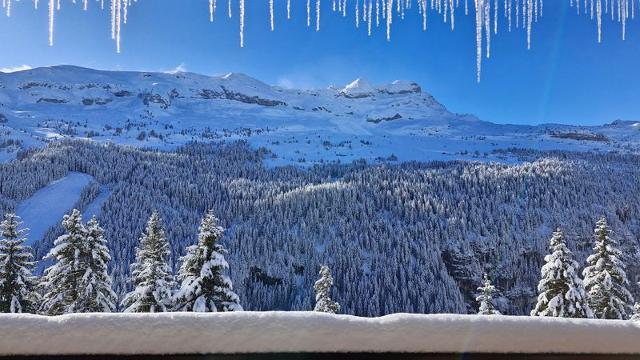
point(49, 204)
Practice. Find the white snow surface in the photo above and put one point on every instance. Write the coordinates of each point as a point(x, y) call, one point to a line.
point(48, 205)
point(299, 126)
point(261, 332)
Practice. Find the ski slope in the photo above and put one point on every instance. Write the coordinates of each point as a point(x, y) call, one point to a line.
point(48, 205)
point(282, 332)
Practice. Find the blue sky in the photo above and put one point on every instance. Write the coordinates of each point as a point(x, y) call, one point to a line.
point(566, 77)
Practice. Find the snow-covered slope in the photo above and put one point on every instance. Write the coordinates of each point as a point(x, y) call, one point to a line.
point(394, 121)
point(47, 206)
point(282, 332)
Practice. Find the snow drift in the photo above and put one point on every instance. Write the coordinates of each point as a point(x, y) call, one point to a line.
point(258, 332)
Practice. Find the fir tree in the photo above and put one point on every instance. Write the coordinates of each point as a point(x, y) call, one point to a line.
point(485, 298)
point(561, 291)
point(605, 279)
point(204, 287)
point(151, 273)
point(17, 285)
point(323, 290)
point(96, 293)
point(636, 312)
point(62, 280)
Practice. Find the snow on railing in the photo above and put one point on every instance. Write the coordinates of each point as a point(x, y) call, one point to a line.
point(264, 332)
point(521, 13)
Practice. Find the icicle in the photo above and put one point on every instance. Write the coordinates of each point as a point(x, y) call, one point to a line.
point(389, 17)
point(599, 19)
point(529, 22)
point(271, 15)
point(317, 15)
point(479, 22)
point(487, 25)
point(424, 15)
point(624, 16)
point(211, 10)
point(229, 9)
point(369, 22)
point(495, 17)
point(118, 22)
point(364, 10)
point(509, 17)
point(357, 13)
point(125, 9)
point(452, 15)
point(51, 20)
point(113, 19)
point(288, 9)
point(241, 23)
point(8, 6)
point(308, 13)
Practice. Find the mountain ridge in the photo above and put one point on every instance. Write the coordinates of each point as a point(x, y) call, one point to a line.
point(399, 120)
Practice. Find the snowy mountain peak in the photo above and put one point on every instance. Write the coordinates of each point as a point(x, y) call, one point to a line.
point(402, 87)
point(359, 88)
point(239, 77)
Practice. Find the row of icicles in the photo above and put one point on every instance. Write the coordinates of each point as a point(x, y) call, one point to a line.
point(376, 13)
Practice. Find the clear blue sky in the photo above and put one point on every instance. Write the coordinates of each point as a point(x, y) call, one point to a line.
point(566, 77)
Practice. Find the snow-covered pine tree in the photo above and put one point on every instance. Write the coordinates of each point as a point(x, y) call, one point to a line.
point(636, 312)
point(485, 298)
point(151, 274)
point(96, 293)
point(62, 279)
point(561, 291)
point(604, 277)
point(18, 291)
point(323, 292)
point(204, 286)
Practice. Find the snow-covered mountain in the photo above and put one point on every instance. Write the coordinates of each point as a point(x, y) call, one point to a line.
point(411, 237)
point(393, 121)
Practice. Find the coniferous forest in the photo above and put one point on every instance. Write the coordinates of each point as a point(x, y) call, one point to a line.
point(411, 237)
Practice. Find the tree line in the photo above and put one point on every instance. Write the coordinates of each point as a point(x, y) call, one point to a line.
point(78, 280)
point(602, 293)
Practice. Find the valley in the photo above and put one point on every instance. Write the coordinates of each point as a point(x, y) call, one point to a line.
point(408, 202)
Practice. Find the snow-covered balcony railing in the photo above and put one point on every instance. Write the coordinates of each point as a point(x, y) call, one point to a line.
point(300, 332)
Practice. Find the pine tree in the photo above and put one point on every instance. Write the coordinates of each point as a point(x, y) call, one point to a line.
point(96, 293)
point(323, 289)
point(605, 279)
point(561, 291)
point(151, 273)
point(17, 285)
point(485, 298)
point(62, 280)
point(204, 287)
point(636, 312)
